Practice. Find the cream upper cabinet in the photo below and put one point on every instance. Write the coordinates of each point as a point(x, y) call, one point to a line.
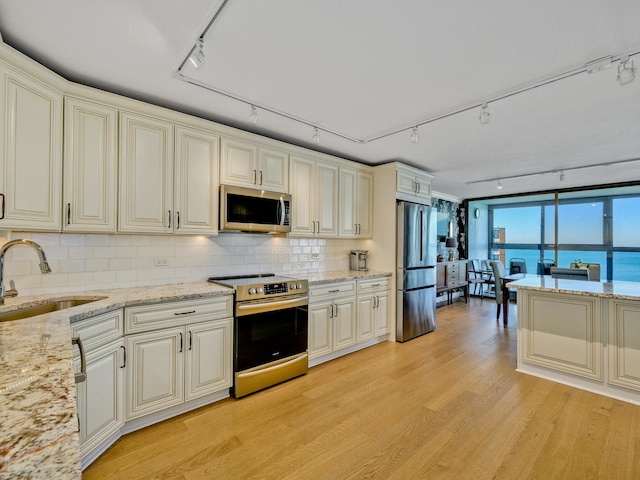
point(90, 164)
point(196, 183)
point(146, 174)
point(314, 190)
point(30, 153)
point(163, 190)
point(249, 165)
point(413, 182)
point(356, 203)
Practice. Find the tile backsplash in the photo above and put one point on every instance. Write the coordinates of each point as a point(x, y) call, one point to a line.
point(83, 262)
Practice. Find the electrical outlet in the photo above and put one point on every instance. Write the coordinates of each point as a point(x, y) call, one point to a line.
point(315, 256)
point(161, 262)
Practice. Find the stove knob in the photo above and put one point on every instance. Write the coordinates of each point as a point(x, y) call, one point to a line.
point(259, 290)
point(299, 285)
point(252, 291)
point(293, 286)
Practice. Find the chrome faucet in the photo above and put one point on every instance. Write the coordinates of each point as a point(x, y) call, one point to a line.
point(44, 266)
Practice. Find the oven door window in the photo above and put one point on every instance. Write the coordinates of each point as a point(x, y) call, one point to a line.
point(265, 337)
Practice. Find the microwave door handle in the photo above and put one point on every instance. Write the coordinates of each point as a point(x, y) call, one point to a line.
point(281, 211)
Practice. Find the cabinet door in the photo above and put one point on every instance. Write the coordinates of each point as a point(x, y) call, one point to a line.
point(196, 182)
point(405, 182)
point(238, 163)
point(382, 314)
point(327, 200)
point(273, 170)
point(100, 397)
point(320, 329)
point(155, 372)
point(344, 329)
point(89, 167)
point(423, 188)
point(366, 314)
point(303, 197)
point(348, 200)
point(208, 362)
point(30, 154)
point(364, 205)
point(146, 174)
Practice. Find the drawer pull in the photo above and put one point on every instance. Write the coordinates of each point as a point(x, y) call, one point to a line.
point(375, 285)
point(334, 291)
point(124, 356)
point(82, 376)
point(185, 313)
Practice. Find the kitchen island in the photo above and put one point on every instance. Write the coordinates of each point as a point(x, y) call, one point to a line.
point(579, 333)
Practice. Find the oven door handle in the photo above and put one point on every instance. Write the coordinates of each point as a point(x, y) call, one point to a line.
point(270, 306)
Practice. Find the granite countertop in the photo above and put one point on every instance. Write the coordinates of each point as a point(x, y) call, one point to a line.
point(38, 426)
point(340, 276)
point(616, 289)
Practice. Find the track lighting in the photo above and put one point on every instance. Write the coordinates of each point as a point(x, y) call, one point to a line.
point(561, 176)
point(316, 135)
point(253, 118)
point(485, 116)
point(197, 56)
point(415, 135)
point(626, 71)
point(499, 185)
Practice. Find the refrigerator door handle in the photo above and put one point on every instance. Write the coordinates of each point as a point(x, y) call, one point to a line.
point(421, 233)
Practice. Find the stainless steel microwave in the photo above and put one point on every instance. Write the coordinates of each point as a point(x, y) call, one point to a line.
point(249, 210)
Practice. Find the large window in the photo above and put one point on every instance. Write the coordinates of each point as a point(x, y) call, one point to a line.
point(596, 226)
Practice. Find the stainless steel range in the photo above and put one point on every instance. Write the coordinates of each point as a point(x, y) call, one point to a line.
point(270, 330)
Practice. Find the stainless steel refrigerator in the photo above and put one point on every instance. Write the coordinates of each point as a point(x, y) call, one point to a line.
point(415, 270)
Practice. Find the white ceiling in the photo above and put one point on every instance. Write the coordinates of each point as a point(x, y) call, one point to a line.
point(369, 67)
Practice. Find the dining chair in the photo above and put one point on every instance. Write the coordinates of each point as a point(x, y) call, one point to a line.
point(544, 266)
point(488, 273)
point(477, 277)
point(498, 273)
point(517, 265)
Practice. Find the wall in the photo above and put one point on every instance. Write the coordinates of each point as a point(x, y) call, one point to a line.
point(83, 262)
point(478, 231)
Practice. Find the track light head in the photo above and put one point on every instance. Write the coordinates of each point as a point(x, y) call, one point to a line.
point(253, 118)
point(561, 176)
point(626, 71)
point(499, 186)
point(485, 116)
point(415, 135)
point(316, 135)
point(197, 56)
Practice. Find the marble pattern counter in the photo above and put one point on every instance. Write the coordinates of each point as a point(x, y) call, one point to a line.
point(617, 289)
point(38, 426)
point(320, 278)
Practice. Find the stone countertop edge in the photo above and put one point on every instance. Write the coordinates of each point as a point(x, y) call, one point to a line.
point(319, 278)
point(616, 289)
point(38, 429)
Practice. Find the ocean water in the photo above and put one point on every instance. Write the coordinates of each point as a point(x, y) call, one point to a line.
point(626, 265)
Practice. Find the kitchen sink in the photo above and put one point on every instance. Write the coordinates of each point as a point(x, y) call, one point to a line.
point(43, 308)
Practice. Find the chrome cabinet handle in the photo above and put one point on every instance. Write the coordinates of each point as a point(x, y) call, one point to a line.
point(260, 177)
point(82, 376)
point(180, 343)
point(68, 214)
point(3, 204)
point(177, 220)
point(169, 227)
point(190, 340)
point(314, 226)
point(255, 177)
point(185, 313)
point(124, 356)
point(331, 313)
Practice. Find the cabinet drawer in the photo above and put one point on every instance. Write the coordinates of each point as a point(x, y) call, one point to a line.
point(372, 285)
point(99, 330)
point(332, 290)
point(170, 314)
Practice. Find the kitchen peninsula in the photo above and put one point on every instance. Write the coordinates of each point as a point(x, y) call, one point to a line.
point(580, 333)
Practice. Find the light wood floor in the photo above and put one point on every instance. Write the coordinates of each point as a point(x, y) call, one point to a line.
point(446, 405)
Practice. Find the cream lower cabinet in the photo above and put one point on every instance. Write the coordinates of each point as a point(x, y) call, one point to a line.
point(250, 165)
point(314, 189)
point(163, 190)
point(332, 318)
point(355, 203)
point(90, 165)
point(168, 366)
point(100, 398)
point(624, 344)
point(30, 152)
point(373, 308)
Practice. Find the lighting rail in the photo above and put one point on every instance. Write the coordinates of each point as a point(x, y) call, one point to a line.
point(589, 67)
